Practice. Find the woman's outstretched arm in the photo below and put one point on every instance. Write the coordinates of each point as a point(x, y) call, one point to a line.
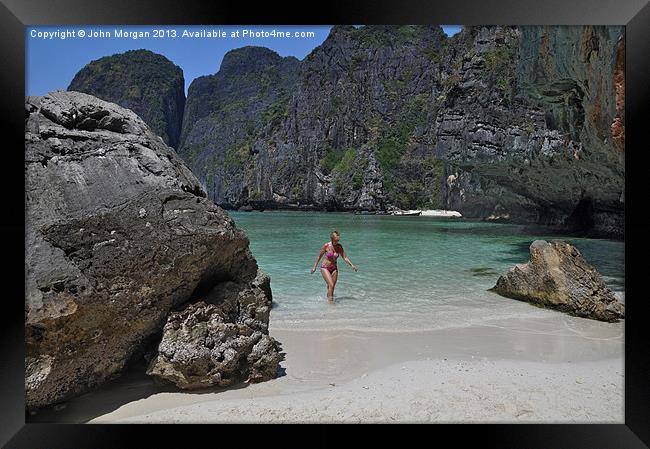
point(320, 254)
point(345, 257)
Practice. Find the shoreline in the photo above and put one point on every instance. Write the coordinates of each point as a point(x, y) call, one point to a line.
point(526, 227)
point(534, 370)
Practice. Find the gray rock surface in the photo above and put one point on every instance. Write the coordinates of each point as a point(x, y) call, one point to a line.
point(557, 276)
point(219, 341)
point(118, 233)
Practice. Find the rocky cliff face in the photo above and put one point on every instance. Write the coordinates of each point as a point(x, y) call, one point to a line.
point(515, 123)
point(119, 235)
point(227, 116)
point(145, 82)
point(526, 133)
point(335, 140)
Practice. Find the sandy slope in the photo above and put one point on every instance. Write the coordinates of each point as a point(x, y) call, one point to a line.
point(564, 369)
point(429, 391)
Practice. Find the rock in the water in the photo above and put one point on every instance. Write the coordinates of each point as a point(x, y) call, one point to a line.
point(557, 276)
point(118, 233)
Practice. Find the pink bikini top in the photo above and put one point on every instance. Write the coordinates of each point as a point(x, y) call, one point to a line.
point(332, 256)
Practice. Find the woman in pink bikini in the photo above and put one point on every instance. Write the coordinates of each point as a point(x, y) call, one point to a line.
point(332, 250)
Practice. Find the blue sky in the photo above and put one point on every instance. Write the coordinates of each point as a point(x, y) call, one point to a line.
point(55, 55)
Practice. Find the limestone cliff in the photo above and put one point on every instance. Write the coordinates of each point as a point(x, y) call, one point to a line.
point(145, 82)
point(521, 124)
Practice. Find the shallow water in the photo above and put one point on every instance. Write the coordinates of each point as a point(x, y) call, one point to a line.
point(415, 273)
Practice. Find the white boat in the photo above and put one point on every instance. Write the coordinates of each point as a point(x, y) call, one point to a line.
point(441, 213)
point(410, 213)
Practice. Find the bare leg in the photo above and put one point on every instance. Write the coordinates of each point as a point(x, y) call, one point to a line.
point(330, 282)
point(335, 277)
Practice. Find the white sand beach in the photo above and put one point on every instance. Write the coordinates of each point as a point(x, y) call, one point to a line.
point(559, 370)
point(431, 347)
point(429, 213)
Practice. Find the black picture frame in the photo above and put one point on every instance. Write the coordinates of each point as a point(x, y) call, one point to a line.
point(15, 15)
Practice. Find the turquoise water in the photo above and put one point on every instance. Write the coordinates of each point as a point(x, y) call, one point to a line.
point(415, 273)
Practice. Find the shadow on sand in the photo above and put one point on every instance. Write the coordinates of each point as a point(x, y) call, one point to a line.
point(133, 385)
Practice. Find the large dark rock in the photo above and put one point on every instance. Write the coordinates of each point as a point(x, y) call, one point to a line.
point(118, 233)
point(147, 83)
point(557, 276)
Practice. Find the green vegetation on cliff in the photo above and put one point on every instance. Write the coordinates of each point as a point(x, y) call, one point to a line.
point(395, 139)
point(498, 59)
point(331, 158)
point(237, 155)
point(499, 64)
point(276, 112)
point(140, 80)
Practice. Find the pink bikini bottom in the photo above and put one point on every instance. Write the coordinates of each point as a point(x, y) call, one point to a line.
point(330, 268)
